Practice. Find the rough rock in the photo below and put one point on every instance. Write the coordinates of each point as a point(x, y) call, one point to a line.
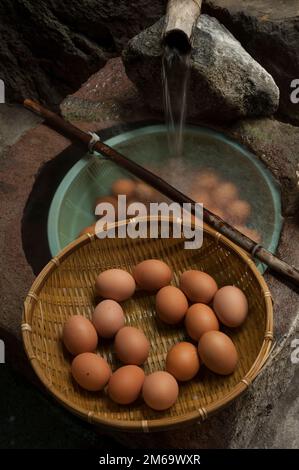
point(124, 18)
point(225, 82)
point(107, 95)
point(270, 33)
point(9, 131)
point(49, 48)
point(41, 56)
point(276, 144)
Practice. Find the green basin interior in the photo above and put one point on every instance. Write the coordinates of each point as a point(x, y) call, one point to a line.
point(72, 207)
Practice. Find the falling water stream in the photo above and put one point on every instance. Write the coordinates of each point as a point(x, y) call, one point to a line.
point(175, 75)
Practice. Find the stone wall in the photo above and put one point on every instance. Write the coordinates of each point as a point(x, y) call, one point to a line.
point(269, 31)
point(48, 47)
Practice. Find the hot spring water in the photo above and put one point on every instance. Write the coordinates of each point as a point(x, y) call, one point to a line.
point(175, 75)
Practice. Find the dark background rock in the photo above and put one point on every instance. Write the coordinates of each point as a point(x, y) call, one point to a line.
point(49, 48)
point(225, 82)
point(269, 31)
point(276, 144)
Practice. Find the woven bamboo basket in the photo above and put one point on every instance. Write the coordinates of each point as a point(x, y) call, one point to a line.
point(66, 287)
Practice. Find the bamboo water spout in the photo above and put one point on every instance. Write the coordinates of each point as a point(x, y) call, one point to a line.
point(181, 18)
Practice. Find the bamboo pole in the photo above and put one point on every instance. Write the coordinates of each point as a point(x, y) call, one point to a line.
point(181, 17)
point(258, 251)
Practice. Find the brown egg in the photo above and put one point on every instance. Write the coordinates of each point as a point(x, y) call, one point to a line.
point(115, 284)
point(108, 318)
point(198, 286)
point(231, 306)
point(91, 371)
point(90, 229)
point(125, 384)
point(238, 211)
point(224, 194)
point(199, 319)
point(124, 186)
point(217, 211)
point(182, 361)
point(202, 197)
point(79, 335)
point(206, 179)
point(171, 305)
point(131, 345)
point(152, 274)
point(145, 193)
point(160, 390)
point(218, 352)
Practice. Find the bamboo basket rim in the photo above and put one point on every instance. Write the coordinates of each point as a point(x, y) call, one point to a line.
point(164, 423)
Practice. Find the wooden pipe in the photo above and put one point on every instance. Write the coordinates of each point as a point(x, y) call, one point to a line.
point(181, 18)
